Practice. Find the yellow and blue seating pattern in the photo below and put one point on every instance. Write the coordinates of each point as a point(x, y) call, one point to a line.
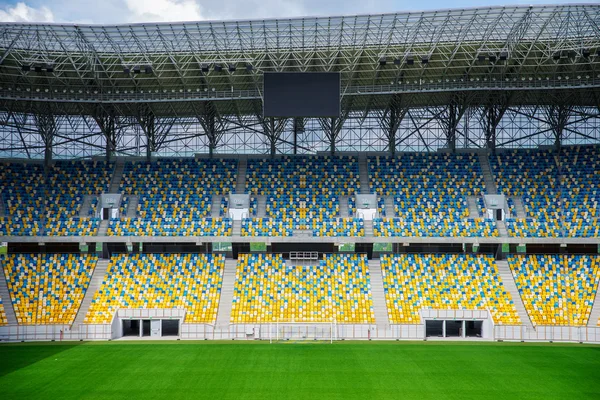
point(266, 227)
point(3, 320)
point(565, 207)
point(429, 191)
point(170, 227)
point(413, 282)
point(67, 183)
point(170, 188)
point(175, 196)
point(338, 227)
point(557, 289)
point(188, 281)
point(29, 193)
point(331, 175)
point(434, 227)
point(22, 190)
point(268, 289)
point(47, 288)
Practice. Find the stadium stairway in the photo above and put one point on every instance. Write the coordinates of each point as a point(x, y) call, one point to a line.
point(11, 317)
point(236, 228)
point(226, 300)
point(132, 206)
point(215, 206)
point(363, 174)
point(95, 282)
point(368, 224)
point(473, 210)
point(84, 211)
point(240, 184)
point(344, 210)
point(389, 206)
point(595, 314)
point(509, 284)
point(377, 292)
point(115, 182)
point(2, 207)
point(490, 184)
point(501, 225)
point(519, 208)
point(103, 228)
point(261, 206)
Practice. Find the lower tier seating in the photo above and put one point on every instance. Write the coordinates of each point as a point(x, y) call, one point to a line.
point(3, 320)
point(189, 281)
point(47, 288)
point(434, 227)
point(269, 289)
point(444, 281)
point(557, 289)
point(170, 227)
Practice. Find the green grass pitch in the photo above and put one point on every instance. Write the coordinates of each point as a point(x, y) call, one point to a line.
point(342, 370)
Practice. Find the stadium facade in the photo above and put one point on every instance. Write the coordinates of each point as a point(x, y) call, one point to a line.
point(459, 180)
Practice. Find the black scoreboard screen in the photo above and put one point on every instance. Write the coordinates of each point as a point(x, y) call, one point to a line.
point(301, 94)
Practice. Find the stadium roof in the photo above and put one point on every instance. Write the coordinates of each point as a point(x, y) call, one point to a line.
point(518, 56)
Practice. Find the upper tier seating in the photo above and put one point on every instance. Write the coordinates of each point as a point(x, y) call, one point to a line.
point(303, 188)
point(30, 195)
point(285, 227)
point(266, 227)
point(429, 191)
point(434, 227)
point(268, 289)
point(178, 188)
point(175, 196)
point(557, 289)
point(188, 281)
point(552, 210)
point(3, 320)
point(332, 175)
point(170, 227)
point(47, 288)
point(444, 281)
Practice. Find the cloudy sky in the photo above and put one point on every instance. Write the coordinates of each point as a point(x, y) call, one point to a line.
point(127, 11)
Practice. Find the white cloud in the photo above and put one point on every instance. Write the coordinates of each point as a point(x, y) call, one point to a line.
point(21, 12)
point(163, 10)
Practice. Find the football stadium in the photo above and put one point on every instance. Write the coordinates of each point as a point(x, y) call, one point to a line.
point(396, 205)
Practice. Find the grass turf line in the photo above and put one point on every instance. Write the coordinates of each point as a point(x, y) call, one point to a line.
point(349, 370)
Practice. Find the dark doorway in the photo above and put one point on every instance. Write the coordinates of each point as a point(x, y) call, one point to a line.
point(146, 327)
point(131, 327)
point(454, 328)
point(105, 213)
point(434, 328)
point(170, 327)
point(499, 214)
point(473, 328)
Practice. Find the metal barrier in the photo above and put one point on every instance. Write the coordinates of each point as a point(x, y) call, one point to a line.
point(581, 334)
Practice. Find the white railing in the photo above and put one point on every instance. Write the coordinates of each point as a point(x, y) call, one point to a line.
point(296, 331)
point(583, 334)
point(54, 332)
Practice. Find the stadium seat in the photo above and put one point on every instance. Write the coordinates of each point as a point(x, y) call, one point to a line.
point(47, 289)
point(188, 281)
point(430, 194)
point(175, 197)
point(413, 282)
point(552, 209)
point(3, 320)
point(269, 289)
point(557, 289)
